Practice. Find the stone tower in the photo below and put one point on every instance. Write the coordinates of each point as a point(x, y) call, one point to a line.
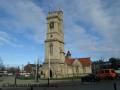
point(54, 45)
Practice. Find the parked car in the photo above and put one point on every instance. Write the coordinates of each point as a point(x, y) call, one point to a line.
point(1, 75)
point(90, 78)
point(10, 74)
point(27, 75)
point(107, 74)
point(118, 73)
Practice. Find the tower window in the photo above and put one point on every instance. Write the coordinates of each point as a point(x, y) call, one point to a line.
point(51, 36)
point(51, 49)
point(51, 24)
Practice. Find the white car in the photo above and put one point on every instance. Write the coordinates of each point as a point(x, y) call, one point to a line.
point(10, 74)
point(27, 75)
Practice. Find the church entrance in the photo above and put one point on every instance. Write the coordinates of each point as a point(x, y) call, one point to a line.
point(50, 73)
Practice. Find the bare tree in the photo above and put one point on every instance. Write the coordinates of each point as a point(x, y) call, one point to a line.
point(1, 64)
point(12, 70)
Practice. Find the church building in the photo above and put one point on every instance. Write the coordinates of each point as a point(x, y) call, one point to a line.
point(56, 63)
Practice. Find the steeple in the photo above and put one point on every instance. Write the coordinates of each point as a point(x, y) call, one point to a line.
point(68, 55)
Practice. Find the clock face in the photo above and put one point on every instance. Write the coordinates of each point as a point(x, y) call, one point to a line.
point(51, 24)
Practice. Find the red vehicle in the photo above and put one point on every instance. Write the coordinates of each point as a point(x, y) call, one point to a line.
point(17, 73)
point(106, 74)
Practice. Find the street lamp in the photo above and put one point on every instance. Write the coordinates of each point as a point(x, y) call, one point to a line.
point(49, 69)
point(37, 68)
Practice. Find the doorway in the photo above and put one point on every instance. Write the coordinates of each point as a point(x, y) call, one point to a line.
point(50, 73)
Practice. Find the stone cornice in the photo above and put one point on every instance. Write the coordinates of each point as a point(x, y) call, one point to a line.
point(50, 40)
point(54, 63)
point(52, 17)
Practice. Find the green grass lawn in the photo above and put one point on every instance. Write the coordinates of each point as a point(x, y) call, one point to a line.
point(26, 78)
point(65, 78)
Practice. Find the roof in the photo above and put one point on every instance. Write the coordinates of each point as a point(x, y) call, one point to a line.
point(69, 60)
point(84, 61)
point(30, 65)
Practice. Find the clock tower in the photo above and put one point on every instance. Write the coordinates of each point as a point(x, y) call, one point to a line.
point(54, 43)
point(54, 63)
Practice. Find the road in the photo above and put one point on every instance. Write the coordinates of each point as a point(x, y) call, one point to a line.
point(68, 85)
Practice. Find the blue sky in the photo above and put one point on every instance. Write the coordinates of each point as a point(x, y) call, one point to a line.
point(91, 28)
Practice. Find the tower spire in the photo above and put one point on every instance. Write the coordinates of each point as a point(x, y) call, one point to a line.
point(49, 7)
point(54, 7)
point(58, 5)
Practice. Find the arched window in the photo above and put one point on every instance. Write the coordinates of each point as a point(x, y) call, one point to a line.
point(77, 69)
point(51, 48)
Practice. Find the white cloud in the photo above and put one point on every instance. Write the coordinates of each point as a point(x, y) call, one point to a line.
point(93, 25)
point(5, 38)
point(100, 26)
point(26, 18)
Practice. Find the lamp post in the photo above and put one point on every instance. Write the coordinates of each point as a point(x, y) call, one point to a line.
point(37, 68)
point(7, 69)
point(49, 66)
point(22, 69)
point(48, 69)
point(16, 75)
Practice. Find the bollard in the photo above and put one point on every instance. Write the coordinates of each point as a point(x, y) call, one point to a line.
point(48, 82)
point(115, 86)
point(15, 80)
point(31, 88)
